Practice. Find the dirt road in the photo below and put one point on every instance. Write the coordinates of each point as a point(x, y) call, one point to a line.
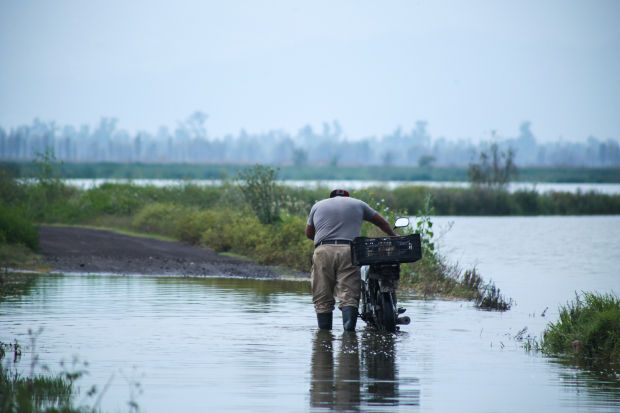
point(86, 250)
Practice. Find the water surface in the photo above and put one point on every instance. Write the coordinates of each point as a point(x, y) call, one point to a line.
point(356, 185)
point(214, 344)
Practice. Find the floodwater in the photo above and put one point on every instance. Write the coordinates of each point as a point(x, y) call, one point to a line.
point(238, 345)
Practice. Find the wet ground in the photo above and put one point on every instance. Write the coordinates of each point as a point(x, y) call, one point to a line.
point(84, 250)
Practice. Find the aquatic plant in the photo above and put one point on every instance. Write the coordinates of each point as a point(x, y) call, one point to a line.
point(588, 327)
point(35, 392)
point(490, 298)
point(47, 392)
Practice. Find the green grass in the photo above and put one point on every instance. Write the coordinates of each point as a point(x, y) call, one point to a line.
point(238, 256)
point(588, 327)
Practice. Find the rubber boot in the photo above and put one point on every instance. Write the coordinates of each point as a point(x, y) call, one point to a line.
point(325, 320)
point(349, 318)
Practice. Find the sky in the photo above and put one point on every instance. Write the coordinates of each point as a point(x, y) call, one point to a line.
point(465, 67)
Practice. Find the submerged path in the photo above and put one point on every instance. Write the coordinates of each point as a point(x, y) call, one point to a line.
point(85, 250)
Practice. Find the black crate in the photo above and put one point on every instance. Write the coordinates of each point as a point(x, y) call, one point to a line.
point(366, 251)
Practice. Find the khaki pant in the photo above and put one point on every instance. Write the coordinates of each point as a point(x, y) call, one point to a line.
point(332, 268)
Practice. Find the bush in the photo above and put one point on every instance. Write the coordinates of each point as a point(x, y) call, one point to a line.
point(15, 228)
point(159, 218)
point(11, 192)
point(588, 327)
point(287, 245)
point(261, 192)
point(224, 230)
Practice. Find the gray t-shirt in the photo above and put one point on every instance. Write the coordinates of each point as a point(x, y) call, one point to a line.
point(339, 218)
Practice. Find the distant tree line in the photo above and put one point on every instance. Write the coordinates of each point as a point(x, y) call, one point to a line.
point(190, 143)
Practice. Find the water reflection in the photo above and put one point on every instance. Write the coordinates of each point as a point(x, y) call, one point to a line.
point(363, 373)
point(600, 381)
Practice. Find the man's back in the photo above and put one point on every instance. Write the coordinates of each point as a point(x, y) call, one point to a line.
point(339, 218)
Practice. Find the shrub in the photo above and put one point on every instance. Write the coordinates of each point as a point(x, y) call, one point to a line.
point(223, 229)
point(159, 218)
point(287, 245)
point(15, 228)
point(283, 243)
point(190, 226)
point(261, 192)
point(11, 192)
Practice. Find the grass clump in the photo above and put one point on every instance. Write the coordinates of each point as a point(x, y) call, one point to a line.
point(33, 392)
point(41, 393)
point(588, 327)
point(490, 298)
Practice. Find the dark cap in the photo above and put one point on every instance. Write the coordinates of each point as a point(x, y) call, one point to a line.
point(338, 192)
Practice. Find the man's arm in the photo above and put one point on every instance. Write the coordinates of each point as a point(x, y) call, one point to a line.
point(380, 222)
point(310, 232)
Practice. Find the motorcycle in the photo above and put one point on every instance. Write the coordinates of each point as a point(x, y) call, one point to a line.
point(380, 259)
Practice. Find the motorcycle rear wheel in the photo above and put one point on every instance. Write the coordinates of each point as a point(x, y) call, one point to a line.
point(389, 318)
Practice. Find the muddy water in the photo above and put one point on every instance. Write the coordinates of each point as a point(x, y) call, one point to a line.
point(233, 345)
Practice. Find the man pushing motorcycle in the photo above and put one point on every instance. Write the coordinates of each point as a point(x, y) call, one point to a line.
point(332, 225)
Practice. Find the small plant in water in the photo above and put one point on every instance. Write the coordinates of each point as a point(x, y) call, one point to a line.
point(47, 392)
point(489, 298)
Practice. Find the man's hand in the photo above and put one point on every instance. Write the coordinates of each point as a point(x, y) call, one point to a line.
point(380, 222)
point(310, 232)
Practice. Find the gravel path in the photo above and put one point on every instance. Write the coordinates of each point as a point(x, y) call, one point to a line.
point(72, 249)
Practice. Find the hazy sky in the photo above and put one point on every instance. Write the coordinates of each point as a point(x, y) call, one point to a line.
point(465, 67)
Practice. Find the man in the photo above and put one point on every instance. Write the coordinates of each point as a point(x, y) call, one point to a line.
point(332, 225)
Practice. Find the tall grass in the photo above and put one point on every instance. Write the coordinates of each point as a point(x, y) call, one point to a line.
point(588, 326)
